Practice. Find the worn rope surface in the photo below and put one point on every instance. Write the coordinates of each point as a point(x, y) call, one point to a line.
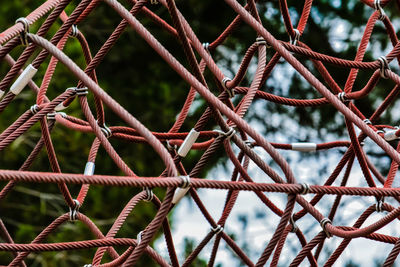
point(174, 145)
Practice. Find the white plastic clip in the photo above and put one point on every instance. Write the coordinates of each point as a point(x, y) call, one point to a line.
point(1, 94)
point(73, 212)
point(378, 7)
point(34, 109)
point(181, 192)
point(60, 107)
point(230, 92)
point(89, 168)
point(87, 265)
point(188, 143)
point(384, 67)
point(390, 135)
point(323, 223)
point(304, 147)
point(23, 79)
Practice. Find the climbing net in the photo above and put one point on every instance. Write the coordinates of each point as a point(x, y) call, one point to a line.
point(234, 134)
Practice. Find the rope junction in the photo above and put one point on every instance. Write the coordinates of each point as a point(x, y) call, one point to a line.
point(174, 145)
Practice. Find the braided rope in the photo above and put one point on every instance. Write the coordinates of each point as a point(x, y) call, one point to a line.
point(228, 114)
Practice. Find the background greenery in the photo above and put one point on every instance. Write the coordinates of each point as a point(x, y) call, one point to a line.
point(135, 76)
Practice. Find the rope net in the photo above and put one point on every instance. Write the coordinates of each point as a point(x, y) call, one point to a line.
point(227, 103)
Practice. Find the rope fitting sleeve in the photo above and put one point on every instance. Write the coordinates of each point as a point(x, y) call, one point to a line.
point(181, 192)
point(23, 79)
point(390, 135)
point(304, 147)
point(89, 168)
point(188, 143)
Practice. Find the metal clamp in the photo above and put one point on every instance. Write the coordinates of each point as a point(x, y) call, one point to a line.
point(323, 223)
point(261, 41)
point(139, 237)
point(293, 224)
point(379, 204)
point(73, 212)
point(230, 92)
point(81, 91)
point(342, 97)
point(206, 47)
point(218, 229)
point(34, 109)
point(51, 116)
point(149, 194)
point(305, 189)
point(249, 143)
point(296, 37)
point(384, 67)
point(169, 147)
point(74, 31)
point(231, 132)
point(367, 121)
point(24, 34)
point(378, 7)
point(106, 131)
